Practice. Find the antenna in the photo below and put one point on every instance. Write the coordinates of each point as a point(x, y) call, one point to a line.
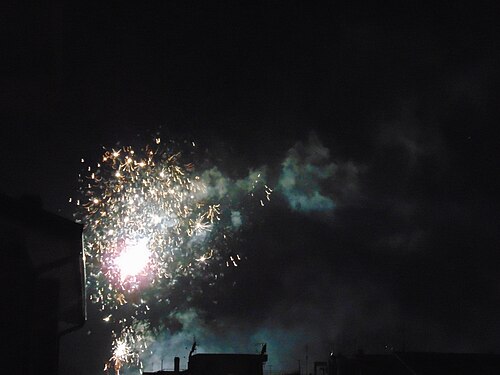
point(193, 348)
point(263, 347)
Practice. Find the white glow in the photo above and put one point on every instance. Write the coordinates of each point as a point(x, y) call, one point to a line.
point(121, 350)
point(133, 259)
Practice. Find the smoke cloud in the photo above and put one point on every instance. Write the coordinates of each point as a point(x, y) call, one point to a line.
point(305, 171)
point(311, 181)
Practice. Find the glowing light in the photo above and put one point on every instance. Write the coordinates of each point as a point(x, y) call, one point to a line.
point(121, 350)
point(134, 259)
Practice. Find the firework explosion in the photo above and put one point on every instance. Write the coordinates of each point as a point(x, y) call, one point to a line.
point(150, 218)
point(128, 346)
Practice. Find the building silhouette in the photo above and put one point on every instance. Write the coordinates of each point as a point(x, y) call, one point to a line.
point(410, 363)
point(219, 364)
point(42, 277)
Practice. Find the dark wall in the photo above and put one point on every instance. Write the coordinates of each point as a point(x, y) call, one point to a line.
point(40, 266)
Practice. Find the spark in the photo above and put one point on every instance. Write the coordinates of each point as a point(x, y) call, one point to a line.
point(205, 257)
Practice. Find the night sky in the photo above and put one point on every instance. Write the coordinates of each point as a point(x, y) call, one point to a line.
point(385, 116)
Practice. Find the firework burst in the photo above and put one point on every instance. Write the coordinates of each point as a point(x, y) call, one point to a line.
point(151, 218)
point(147, 218)
point(128, 346)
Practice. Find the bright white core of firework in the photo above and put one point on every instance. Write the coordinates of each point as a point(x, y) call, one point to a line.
point(133, 259)
point(121, 350)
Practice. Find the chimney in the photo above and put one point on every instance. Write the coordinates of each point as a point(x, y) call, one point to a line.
point(177, 361)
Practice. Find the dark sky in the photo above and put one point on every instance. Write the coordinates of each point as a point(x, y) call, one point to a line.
point(402, 97)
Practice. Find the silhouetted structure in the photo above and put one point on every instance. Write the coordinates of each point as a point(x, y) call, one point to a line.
point(225, 364)
point(42, 278)
point(411, 363)
point(220, 364)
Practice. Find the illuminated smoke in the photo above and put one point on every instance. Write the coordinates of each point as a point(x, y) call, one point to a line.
point(236, 219)
point(310, 181)
point(305, 169)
